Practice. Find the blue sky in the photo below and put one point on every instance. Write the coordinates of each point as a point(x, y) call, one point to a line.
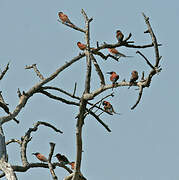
point(143, 144)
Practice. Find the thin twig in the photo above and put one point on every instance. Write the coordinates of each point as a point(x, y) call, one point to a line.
point(74, 91)
point(58, 98)
point(4, 71)
point(99, 120)
point(73, 27)
point(148, 62)
point(100, 74)
point(34, 66)
point(139, 97)
point(13, 141)
point(154, 40)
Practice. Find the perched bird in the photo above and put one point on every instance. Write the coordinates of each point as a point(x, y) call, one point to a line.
point(62, 159)
point(64, 18)
point(4, 106)
point(114, 77)
point(119, 36)
point(40, 157)
point(108, 107)
point(116, 53)
point(81, 46)
point(72, 165)
point(134, 77)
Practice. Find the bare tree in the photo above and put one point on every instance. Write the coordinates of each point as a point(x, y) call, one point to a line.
point(83, 101)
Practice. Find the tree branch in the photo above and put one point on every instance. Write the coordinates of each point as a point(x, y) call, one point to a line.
point(98, 70)
point(154, 40)
point(36, 71)
point(35, 88)
point(52, 146)
point(148, 62)
point(4, 71)
point(73, 27)
point(27, 137)
point(13, 141)
point(139, 97)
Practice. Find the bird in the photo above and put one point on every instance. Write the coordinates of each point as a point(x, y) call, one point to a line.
point(116, 53)
point(64, 18)
point(72, 165)
point(81, 46)
point(62, 159)
point(4, 106)
point(108, 107)
point(40, 157)
point(134, 77)
point(119, 36)
point(114, 77)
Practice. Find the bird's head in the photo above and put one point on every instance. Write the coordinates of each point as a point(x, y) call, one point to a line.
point(111, 72)
point(78, 43)
point(36, 153)
point(118, 31)
point(60, 13)
point(134, 72)
point(104, 103)
point(57, 155)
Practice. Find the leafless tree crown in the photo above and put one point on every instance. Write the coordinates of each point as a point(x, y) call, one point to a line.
point(86, 107)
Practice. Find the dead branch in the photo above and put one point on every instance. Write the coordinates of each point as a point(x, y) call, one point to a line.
point(34, 66)
point(52, 146)
point(58, 98)
point(154, 40)
point(27, 137)
point(98, 70)
point(99, 120)
point(13, 141)
point(139, 97)
point(74, 91)
point(148, 62)
point(36, 87)
point(73, 27)
point(4, 71)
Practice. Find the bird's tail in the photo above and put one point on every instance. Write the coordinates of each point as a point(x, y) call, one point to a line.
point(129, 56)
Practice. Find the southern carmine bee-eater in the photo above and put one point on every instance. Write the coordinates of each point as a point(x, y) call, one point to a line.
point(119, 36)
point(108, 107)
point(64, 18)
point(116, 53)
point(81, 46)
point(40, 157)
point(134, 77)
point(62, 159)
point(114, 77)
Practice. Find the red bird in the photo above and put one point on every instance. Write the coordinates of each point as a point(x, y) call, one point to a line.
point(64, 18)
point(81, 46)
point(108, 107)
point(40, 157)
point(114, 77)
point(62, 159)
point(116, 53)
point(119, 36)
point(134, 77)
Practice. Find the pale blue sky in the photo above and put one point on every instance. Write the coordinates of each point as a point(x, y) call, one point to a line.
point(143, 144)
